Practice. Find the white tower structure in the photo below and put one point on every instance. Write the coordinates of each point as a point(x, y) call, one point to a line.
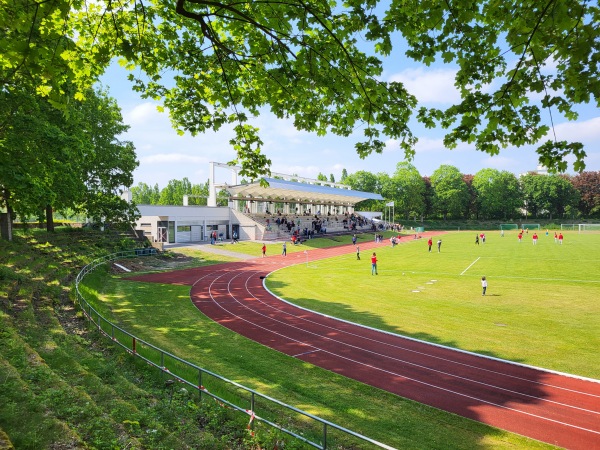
point(212, 187)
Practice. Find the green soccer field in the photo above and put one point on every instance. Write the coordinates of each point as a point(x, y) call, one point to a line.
point(542, 305)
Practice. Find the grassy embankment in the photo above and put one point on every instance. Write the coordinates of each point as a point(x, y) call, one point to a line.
point(163, 315)
point(65, 386)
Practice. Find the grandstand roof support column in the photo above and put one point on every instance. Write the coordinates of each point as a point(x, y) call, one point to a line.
point(212, 190)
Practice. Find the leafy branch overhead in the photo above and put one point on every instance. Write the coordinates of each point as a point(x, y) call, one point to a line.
point(216, 63)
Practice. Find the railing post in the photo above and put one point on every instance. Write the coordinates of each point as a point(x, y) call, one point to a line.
point(200, 383)
point(133, 345)
point(252, 412)
point(324, 436)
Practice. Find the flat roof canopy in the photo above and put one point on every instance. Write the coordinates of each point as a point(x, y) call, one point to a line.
point(295, 192)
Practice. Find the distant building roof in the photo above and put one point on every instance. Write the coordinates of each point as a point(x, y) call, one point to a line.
point(293, 191)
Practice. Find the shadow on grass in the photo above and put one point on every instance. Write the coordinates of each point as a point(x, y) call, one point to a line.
point(407, 368)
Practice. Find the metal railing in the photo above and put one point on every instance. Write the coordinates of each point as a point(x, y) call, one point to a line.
point(195, 376)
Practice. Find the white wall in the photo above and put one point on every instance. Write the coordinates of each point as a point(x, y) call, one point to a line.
point(184, 215)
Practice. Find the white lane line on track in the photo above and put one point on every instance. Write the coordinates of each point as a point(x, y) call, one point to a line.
point(406, 377)
point(398, 347)
point(306, 353)
point(464, 352)
point(402, 348)
point(251, 273)
point(463, 272)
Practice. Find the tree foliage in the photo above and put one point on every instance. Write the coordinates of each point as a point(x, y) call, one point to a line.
point(172, 194)
point(411, 189)
point(450, 194)
point(588, 186)
point(143, 194)
point(498, 194)
point(213, 63)
point(551, 195)
point(63, 161)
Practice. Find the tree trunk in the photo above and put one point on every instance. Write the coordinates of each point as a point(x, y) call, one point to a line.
point(49, 218)
point(6, 224)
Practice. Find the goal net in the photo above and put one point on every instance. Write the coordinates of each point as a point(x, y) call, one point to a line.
point(589, 227)
point(568, 226)
point(530, 226)
point(509, 226)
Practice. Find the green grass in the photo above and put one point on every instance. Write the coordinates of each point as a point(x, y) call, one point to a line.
point(275, 248)
point(164, 315)
point(69, 386)
point(541, 306)
point(65, 386)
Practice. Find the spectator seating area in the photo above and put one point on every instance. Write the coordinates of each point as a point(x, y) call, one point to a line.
point(282, 226)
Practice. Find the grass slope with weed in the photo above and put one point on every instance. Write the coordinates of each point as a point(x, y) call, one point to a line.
point(63, 385)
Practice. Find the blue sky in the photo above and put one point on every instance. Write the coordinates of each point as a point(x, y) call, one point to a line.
point(164, 155)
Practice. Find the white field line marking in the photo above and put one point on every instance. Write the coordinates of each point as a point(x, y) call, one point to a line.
point(389, 371)
point(462, 273)
point(390, 357)
point(400, 347)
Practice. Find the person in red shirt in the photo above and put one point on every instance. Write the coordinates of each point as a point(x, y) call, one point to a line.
point(429, 244)
point(374, 264)
point(535, 238)
point(560, 238)
point(520, 236)
point(264, 250)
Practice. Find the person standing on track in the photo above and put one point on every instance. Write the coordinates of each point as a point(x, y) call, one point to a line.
point(264, 250)
point(374, 264)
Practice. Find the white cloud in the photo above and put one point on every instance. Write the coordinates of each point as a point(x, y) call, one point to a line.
point(173, 158)
point(142, 114)
point(429, 86)
point(499, 162)
point(587, 131)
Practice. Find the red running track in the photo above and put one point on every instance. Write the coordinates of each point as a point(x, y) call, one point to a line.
point(546, 406)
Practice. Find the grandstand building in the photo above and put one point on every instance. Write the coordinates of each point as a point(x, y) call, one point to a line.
point(257, 212)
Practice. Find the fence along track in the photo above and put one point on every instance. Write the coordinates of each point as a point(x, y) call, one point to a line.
point(132, 345)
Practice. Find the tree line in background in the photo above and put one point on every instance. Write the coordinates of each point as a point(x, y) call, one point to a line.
point(490, 194)
point(173, 194)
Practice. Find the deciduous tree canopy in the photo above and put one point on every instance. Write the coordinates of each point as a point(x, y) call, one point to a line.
point(319, 62)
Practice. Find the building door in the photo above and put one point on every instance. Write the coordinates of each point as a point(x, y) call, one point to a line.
point(162, 235)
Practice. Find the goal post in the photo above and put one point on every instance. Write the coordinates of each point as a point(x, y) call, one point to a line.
point(509, 226)
point(530, 226)
point(589, 228)
point(568, 226)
